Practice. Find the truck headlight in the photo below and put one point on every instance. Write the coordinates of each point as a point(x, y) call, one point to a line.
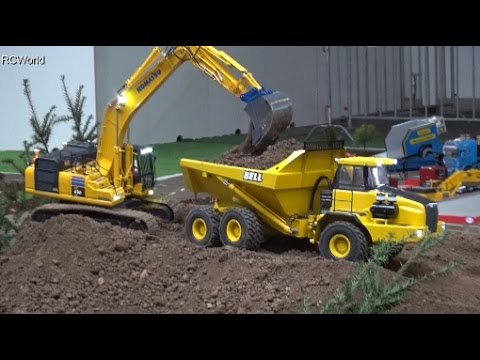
point(419, 233)
point(150, 192)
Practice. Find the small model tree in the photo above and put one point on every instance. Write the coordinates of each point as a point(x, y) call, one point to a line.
point(42, 128)
point(364, 134)
point(83, 129)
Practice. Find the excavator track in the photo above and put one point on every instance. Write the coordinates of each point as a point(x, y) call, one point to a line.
point(126, 218)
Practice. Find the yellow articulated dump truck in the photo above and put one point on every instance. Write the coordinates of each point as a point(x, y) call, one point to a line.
point(343, 204)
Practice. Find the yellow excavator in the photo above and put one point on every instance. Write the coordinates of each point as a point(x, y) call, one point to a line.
point(95, 180)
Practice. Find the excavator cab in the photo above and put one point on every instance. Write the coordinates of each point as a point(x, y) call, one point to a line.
point(144, 167)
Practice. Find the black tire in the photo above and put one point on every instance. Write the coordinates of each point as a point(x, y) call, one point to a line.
point(201, 226)
point(342, 240)
point(241, 228)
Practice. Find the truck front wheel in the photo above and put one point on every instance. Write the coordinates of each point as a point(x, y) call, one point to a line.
point(342, 240)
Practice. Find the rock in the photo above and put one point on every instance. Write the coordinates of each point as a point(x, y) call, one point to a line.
point(144, 274)
point(191, 267)
point(101, 281)
point(3, 260)
point(223, 257)
point(56, 262)
point(159, 301)
point(56, 293)
point(55, 280)
point(262, 275)
point(120, 245)
point(101, 250)
point(209, 306)
point(241, 310)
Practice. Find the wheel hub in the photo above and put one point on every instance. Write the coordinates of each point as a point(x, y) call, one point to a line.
point(340, 246)
point(199, 229)
point(234, 231)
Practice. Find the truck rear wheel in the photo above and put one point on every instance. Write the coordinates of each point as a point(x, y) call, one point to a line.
point(201, 226)
point(241, 228)
point(342, 240)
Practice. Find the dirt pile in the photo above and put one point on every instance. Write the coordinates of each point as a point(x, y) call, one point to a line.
point(456, 293)
point(72, 264)
point(273, 155)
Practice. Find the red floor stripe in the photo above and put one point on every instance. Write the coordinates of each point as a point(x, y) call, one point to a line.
point(464, 220)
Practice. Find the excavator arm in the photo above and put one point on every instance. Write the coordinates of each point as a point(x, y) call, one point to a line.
point(270, 112)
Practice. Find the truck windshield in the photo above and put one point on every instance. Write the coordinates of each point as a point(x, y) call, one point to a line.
point(360, 177)
point(377, 176)
point(450, 151)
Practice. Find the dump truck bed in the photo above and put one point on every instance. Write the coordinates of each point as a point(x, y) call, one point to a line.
point(285, 188)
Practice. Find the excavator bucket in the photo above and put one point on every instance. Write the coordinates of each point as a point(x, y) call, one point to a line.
point(270, 115)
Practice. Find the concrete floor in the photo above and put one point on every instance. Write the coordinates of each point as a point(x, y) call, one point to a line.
point(461, 212)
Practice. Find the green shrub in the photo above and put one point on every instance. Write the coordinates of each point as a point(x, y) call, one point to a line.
point(367, 292)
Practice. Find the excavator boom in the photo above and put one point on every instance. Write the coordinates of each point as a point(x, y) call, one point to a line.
point(270, 112)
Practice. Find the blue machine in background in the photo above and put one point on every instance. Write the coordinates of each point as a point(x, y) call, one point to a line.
point(461, 154)
point(415, 143)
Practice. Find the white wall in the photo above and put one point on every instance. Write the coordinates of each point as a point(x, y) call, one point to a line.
point(75, 62)
point(466, 71)
point(192, 105)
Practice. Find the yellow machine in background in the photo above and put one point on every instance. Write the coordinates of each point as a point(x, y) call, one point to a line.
point(437, 190)
point(108, 175)
point(341, 203)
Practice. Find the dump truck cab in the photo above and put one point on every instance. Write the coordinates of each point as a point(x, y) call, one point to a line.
point(355, 183)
